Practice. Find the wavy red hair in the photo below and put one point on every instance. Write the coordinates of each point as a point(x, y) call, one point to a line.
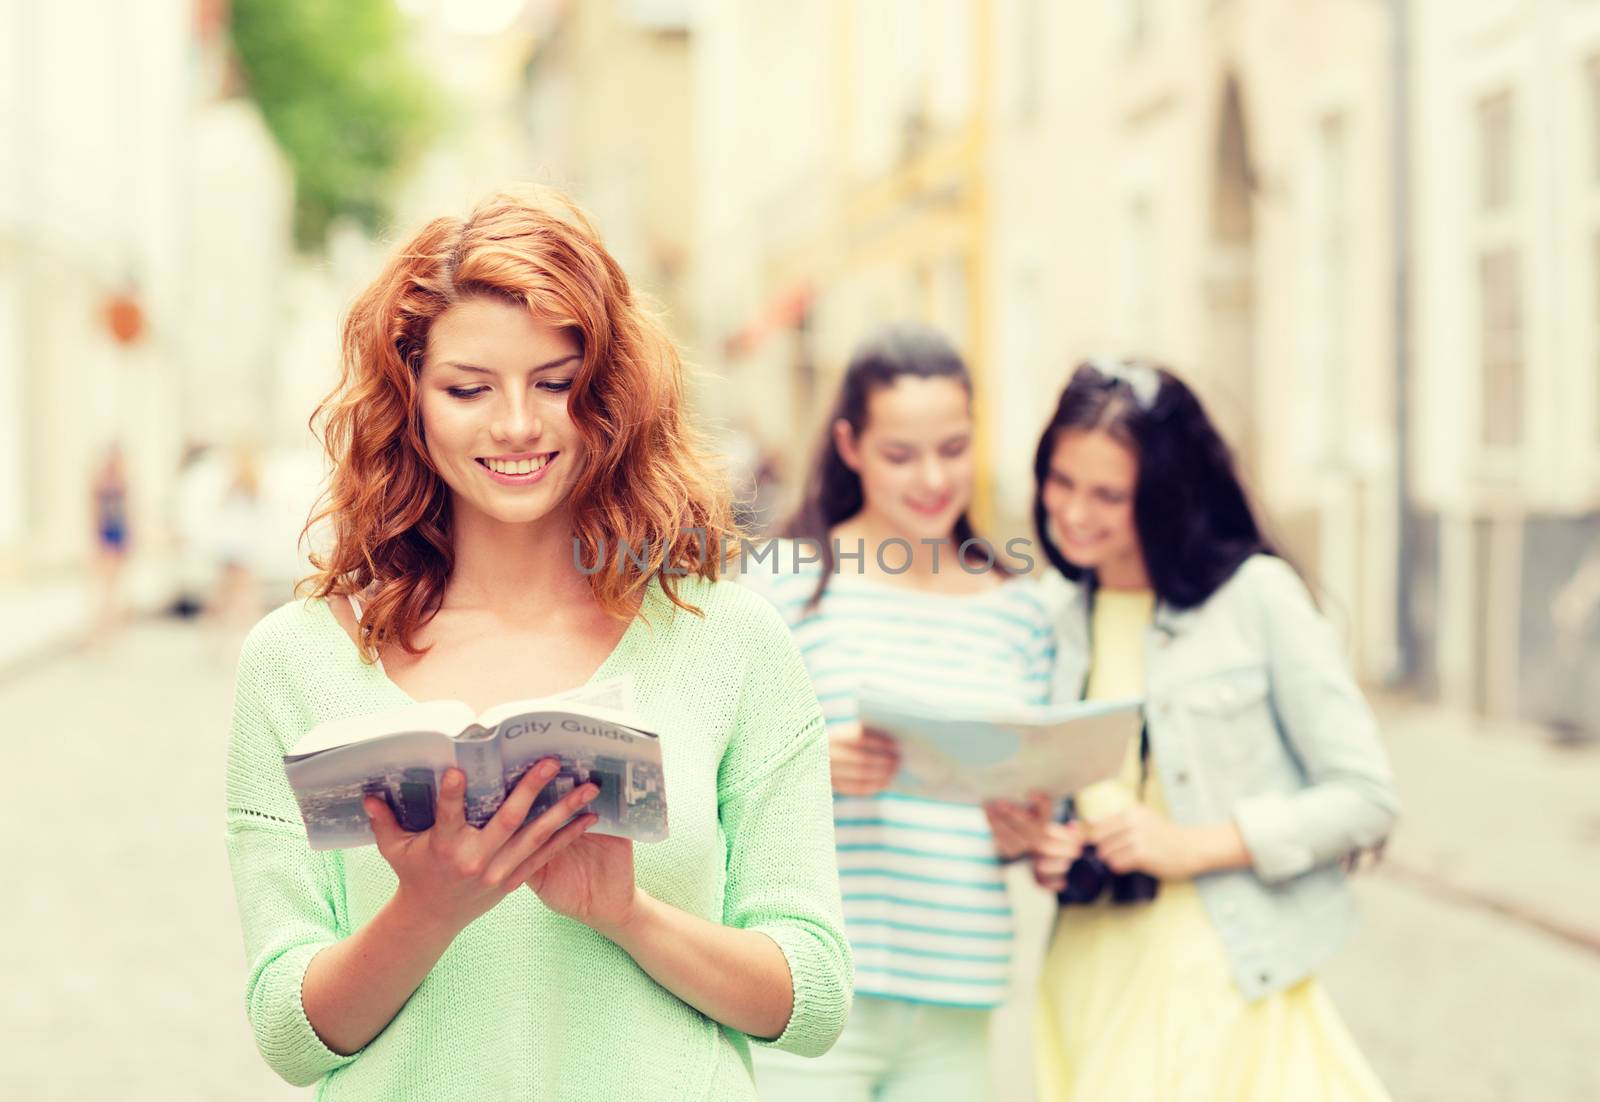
point(648, 479)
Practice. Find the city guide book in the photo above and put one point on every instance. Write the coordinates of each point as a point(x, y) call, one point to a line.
point(977, 756)
point(400, 755)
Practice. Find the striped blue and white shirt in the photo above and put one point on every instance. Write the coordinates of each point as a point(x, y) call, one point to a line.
point(925, 900)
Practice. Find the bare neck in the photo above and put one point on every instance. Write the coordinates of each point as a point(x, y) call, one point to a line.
point(515, 568)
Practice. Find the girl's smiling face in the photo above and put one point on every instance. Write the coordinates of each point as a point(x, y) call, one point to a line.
point(1089, 496)
point(493, 393)
point(913, 455)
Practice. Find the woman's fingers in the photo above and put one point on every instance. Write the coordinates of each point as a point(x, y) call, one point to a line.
point(848, 785)
point(1003, 814)
point(1111, 827)
point(1059, 845)
point(1017, 828)
point(853, 784)
point(1008, 834)
point(1120, 859)
point(514, 811)
point(535, 834)
point(874, 741)
point(867, 767)
point(1110, 833)
point(851, 756)
point(559, 841)
point(1056, 854)
point(862, 762)
point(865, 747)
point(1061, 842)
point(870, 778)
point(1050, 876)
point(450, 811)
point(385, 829)
point(1051, 866)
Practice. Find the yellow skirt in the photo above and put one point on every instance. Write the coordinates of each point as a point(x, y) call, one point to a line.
point(1137, 1004)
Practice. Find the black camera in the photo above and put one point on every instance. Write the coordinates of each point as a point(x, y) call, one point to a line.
point(1088, 877)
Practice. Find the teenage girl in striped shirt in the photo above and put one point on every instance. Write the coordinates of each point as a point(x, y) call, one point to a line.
point(906, 600)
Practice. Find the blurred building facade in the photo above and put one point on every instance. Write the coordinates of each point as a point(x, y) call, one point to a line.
point(1507, 339)
point(1218, 196)
point(1368, 230)
point(1291, 203)
point(841, 156)
point(607, 111)
point(140, 241)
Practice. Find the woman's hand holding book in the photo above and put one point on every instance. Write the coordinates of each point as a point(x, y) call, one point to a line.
point(591, 881)
point(1018, 827)
point(453, 872)
point(862, 761)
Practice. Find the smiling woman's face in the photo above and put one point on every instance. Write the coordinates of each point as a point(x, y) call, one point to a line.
point(494, 386)
point(914, 455)
point(1089, 496)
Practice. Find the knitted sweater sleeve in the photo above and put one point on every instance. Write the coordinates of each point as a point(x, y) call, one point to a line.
point(289, 903)
point(776, 808)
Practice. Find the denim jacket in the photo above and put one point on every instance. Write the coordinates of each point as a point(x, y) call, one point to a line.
point(1253, 716)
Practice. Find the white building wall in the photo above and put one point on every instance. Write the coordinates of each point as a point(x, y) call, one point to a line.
point(107, 190)
point(1105, 209)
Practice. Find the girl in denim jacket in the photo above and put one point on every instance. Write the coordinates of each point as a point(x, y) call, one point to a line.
point(1206, 883)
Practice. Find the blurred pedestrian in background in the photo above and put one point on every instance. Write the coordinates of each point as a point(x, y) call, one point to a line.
point(193, 511)
point(236, 534)
point(109, 503)
point(903, 603)
point(504, 404)
point(1259, 772)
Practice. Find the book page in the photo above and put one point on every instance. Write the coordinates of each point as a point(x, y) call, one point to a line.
point(615, 693)
point(624, 762)
point(403, 770)
point(983, 756)
point(611, 699)
point(478, 756)
point(445, 717)
point(401, 754)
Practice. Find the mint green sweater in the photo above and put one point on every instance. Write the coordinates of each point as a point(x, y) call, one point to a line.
point(526, 1003)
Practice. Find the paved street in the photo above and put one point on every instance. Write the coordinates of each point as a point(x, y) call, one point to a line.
point(122, 959)
point(123, 964)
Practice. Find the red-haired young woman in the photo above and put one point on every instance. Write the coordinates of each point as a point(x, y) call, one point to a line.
point(507, 412)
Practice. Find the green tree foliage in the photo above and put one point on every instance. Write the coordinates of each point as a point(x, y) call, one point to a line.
point(343, 98)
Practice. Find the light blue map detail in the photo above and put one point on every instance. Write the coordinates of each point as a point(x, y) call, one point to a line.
point(973, 757)
point(974, 744)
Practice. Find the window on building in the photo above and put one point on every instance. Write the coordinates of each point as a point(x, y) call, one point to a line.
point(1594, 316)
point(1136, 32)
point(1137, 306)
point(1496, 166)
point(1499, 277)
point(1332, 285)
point(1030, 48)
point(1500, 307)
point(1592, 80)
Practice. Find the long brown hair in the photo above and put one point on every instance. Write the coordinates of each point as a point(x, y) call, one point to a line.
point(648, 479)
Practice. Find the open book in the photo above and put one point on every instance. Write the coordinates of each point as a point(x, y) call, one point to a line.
point(401, 756)
point(972, 757)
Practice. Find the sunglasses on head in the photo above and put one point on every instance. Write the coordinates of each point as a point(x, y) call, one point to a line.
point(1142, 380)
